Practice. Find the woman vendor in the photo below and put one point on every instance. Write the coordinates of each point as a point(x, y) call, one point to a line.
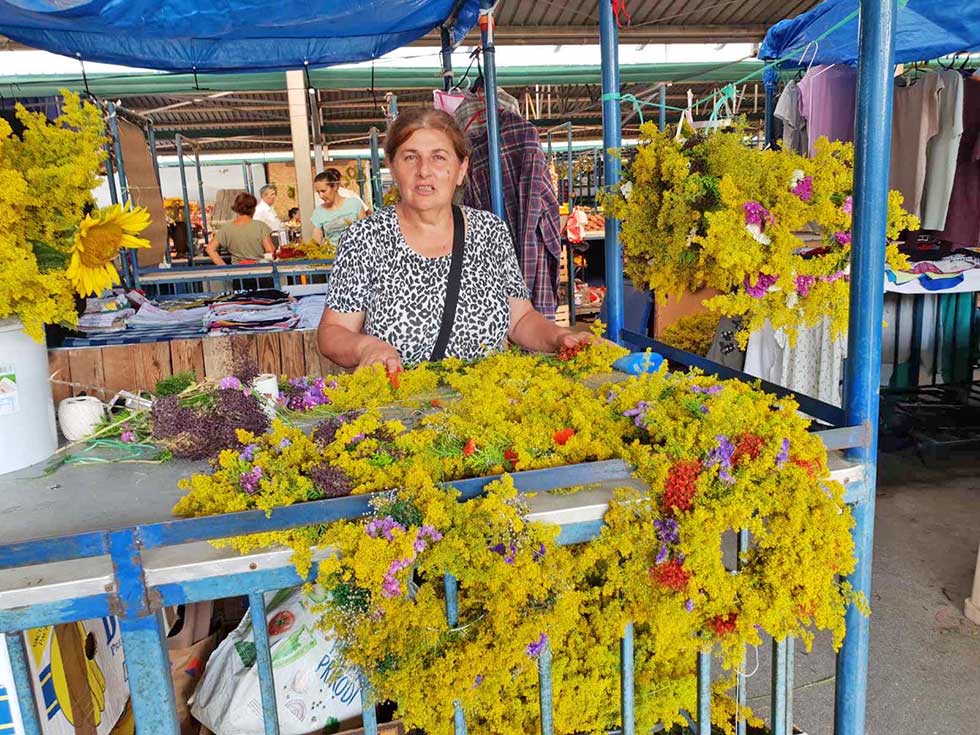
point(394, 270)
point(244, 238)
point(336, 211)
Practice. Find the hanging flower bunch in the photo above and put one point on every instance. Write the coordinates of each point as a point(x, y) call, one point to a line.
point(54, 244)
point(770, 230)
point(714, 458)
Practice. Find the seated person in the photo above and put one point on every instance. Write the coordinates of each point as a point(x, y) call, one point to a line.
point(336, 213)
point(294, 225)
point(244, 238)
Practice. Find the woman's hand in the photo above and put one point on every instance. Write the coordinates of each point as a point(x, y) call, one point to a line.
point(377, 352)
point(567, 339)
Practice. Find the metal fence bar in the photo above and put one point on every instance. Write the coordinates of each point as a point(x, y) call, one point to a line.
point(612, 139)
point(778, 713)
point(628, 698)
point(704, 693)
point(21, 668)
point(452, 618)
point(369, 718)
point(741, 697)
point(790, 680)
point(544, 684)
point(915, 360)
point(263, 659)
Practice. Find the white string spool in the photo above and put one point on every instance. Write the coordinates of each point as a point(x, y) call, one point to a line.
point(79, 417)
point(267, 385)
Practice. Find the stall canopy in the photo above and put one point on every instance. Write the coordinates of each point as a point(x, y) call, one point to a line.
point(828, 34)
point(229, 35)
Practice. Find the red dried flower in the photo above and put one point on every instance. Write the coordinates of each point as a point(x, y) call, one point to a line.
point(724, 624)
point(812, 466)
point(682, 485)
point(748, 445)
point(393, 378)
point(469, 449)
point(568, 353)
point(562, 436)
point(671, 575)
point(511, 456)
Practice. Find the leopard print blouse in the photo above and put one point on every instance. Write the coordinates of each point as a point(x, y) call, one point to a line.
point(403, 293)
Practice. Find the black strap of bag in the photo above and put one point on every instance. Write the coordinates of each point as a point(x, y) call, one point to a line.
point(452, 286)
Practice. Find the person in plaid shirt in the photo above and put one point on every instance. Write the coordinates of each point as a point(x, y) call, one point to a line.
point(530, 204)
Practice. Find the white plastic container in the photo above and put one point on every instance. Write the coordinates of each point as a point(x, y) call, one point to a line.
point(27, 428)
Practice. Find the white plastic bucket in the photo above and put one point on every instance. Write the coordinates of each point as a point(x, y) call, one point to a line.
point(27, 428)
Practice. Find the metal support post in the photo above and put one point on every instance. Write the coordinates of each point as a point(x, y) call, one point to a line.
point(151, 136)
point(628, 687)
point(200, 192)
point(872, 148)
point(493, 121)
point(23, 682)
point(447, 58)
point(571, 250)
point(376, 195)
point(127, 258)
point(316, 124)
point(245, 166)
point(179, 142)
point(770, 78)
point(110, 176)
point(663, 107)
point(611, 142)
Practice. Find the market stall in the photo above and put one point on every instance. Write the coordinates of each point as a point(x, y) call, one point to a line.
point(137, 586)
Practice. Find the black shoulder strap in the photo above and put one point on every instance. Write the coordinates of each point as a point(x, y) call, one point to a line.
point(452, 286)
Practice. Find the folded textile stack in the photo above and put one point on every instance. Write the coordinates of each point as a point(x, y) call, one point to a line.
point(268, 310)
point(104, 322)
point(310, 309)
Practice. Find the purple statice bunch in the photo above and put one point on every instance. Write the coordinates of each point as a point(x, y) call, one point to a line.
point(783, 456)
point(721, 456)
point(249, 480)
point(804, 188)
point(668, 532)
point(203, 432)
point(330, 481)
point(248, 453)
point(478, 680)
point(756, 214)
point(390, 586)
point(709, 391)
point(539, 553)
point(536, 648)
point(304, 394)
point(761, 286)
point(384, 528)
point(848, 205)
point(230, 383)
point(834, 277)
point(638, 413)
point(426, 534)
point(326, 431)
point(509, 552)
point(128, 436)
point(804, 284)
point(285, 443)
point(843, 238)
point(689, 605)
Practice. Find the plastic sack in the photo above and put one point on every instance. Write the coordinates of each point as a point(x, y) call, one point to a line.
point(315, 687)
point(446, 101)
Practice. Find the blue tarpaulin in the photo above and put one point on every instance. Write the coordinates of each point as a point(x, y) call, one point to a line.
point(228, 35)
point(926, 29)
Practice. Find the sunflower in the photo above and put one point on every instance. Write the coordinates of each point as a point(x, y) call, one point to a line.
point(99, 239)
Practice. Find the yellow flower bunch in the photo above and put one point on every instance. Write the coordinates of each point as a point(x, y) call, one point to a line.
point(714, 459)
point(770, 230)
point(693, 333)
point(49, 248)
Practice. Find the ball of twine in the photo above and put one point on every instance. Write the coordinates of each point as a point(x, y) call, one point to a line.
point(80, 416)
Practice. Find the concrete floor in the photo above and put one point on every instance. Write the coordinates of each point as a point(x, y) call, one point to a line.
point(925, 655)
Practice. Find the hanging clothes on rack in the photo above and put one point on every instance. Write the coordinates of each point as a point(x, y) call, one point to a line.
point(963, 217)
point(942, 152)
point(788, 109)
point(471, 113)
point(827, 95)
point(530, 202)
point(915, 122)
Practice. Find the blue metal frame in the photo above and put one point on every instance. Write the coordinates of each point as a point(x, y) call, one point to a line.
point(493, 118)
point(612, 124)
point(376, 194)
point(872, 152)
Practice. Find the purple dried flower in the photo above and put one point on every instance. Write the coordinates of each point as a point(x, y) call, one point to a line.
point(709, 391)
point(285, 443)
point(662, 555)
point(249, 481)
point(783, 456)
point(384, 527)
point(848, 206)
point(668, 530)
point(804, 284)
point(842, 238)
point(478, 680)
point(230, 383)
point(358, 439)
point(509, 553)
point(804, 188)
point(536, 648)
point(430, 532)
point(761, 286)
point(756, 214)
point(248, 453)
point(638, 413)
point(689, 605)
point(391, 587)
point(538, 555)
point(834, 277)
point(330, 481)
point(722, 456)
point(128, 436)
point(303, 394)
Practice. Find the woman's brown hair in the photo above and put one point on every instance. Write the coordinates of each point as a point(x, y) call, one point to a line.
point(408, 122)
point(244, 204)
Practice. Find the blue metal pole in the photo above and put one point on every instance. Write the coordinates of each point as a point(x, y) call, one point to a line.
point(179, 141)
point(704, 693)
point(127, 258)
point(375, 170)
point(779, 688)
point(628, 692)
point(872, 149)
point(741, 697)
point(663, 107)
point(263, 658)
point(447, 58)
point(612, 124)
point(769, 79)
point(21, 668)
point(493, 121)
point(452, 619)
point(571, 251)
point(544, 683)
point(110, 176)
point(369, 718)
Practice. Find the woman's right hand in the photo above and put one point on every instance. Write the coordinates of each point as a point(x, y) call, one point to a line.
point(378, 352)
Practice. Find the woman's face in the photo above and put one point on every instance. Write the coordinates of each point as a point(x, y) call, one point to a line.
point(427, 170)
point(327, 191)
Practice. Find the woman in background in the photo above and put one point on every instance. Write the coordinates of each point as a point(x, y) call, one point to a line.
point(244, 238)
